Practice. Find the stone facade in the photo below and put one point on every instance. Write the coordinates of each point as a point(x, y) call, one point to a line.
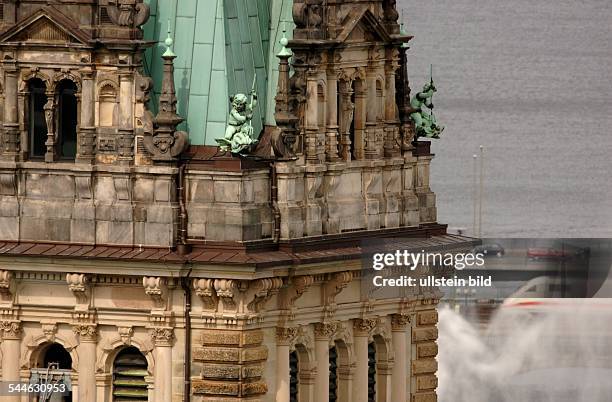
point(209, 272)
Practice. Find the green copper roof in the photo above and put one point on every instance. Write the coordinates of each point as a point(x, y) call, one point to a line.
point(220, 45)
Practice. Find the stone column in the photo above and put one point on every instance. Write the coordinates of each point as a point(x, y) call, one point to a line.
point(391, 145)
point(323, 334)
point(399, 379)
point(126, 119)
point(87, 334)
point(332, 116)
point(10, 138)
point(361, 333)
point(162, 338)
point(284, 336)
point(371, 115)
point(346, 116)
point(10, 331)
point(360, 119)
point(312, 117)
point(87, 132)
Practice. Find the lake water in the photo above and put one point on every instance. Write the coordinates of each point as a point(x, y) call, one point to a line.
point(532, 82)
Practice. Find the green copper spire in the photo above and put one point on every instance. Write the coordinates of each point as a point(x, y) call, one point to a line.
point(284, 52)
point(168, 42)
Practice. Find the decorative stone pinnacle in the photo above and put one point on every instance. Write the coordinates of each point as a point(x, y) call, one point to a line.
point(166, 143)
point(168, 42)
point(284, 42)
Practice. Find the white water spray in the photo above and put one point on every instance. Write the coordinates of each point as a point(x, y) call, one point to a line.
point(558, 354)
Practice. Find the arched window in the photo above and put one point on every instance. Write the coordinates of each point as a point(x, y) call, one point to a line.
point(67, 120)
point(129, 372)
point(294, 373)
point(371, 372)
point(54, 366)
point(333, 374)
point(37, 126)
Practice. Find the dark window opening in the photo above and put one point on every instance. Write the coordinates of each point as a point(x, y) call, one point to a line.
point(294, 381)
point(371, 372)
point(58, 356)
point(55, 367)
point(104, 17)
point(129, 372)
point(36, 120)
point(333, 374)
point(67, 120)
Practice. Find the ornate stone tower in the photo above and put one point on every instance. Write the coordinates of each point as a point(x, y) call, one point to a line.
point(133, 267)
point(77, 138)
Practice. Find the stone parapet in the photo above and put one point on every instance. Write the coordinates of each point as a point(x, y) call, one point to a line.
point(84, 204)
point(229, 205)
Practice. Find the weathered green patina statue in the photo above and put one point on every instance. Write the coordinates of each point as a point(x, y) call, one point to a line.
point(425, 123)
point(239, 136)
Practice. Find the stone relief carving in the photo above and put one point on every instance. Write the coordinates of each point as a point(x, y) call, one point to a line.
point(81, 289)
point(128, 13)
point(86, 332)
point(235, 300)
point(7, 284)
point(332, 288)
point(156, 288)
point(162, 336)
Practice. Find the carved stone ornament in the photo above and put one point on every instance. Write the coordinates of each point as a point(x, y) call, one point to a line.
point(162, 336)
point(126, 333)
point(364, 326)
point(49, 330)
point(6, 283)
point(10, 329)
point(289, 294)
point(285, 335)
point(86, 332)
point(205, 289)
point(399, 321)
point(166, 143)
point(80, 288)
point(332, 288)
point(128, 13)
point(325, 330)
point(155, 287)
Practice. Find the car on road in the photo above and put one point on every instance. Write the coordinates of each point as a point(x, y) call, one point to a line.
point(548, 254)
point(489, 250)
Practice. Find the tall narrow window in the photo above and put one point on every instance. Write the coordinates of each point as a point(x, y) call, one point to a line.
point(37, 125)
point(129, 372)
point(67, 120)
point(294, 382)
point(371, 372)
point(333, 374)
